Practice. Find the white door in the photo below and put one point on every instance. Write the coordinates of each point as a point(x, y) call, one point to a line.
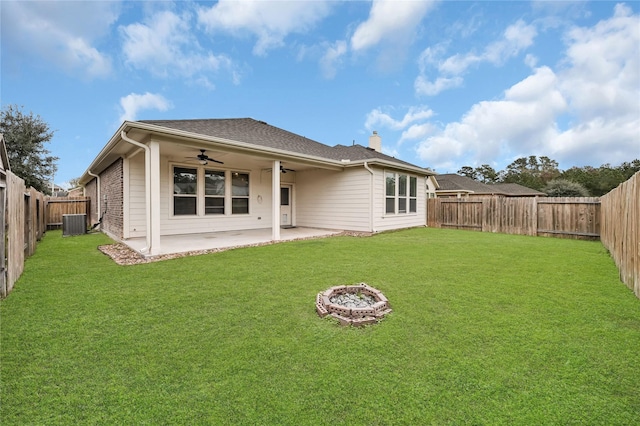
point(286, 203)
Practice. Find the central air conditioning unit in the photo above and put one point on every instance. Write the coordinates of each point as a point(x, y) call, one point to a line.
point(74, 224)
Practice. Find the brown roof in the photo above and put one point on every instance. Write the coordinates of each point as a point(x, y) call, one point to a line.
point(515, 189)
point(454, 182)
point(451, 182)
point(248, 130)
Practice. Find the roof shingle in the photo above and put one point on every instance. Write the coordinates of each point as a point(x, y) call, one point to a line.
point(259, 133)
point(455, 182)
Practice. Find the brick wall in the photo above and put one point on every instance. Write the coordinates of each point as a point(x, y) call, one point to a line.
point(111, 181)
point(91, 190)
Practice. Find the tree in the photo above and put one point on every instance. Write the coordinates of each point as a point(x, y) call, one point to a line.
point(25, 136)
point(487, 174)
point(532, 172)
point(469, 172)
point(74, 183)
point(565, 188)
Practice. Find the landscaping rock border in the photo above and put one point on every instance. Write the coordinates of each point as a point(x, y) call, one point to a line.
point(124, 255)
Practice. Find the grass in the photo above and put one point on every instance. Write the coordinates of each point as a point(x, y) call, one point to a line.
point(486, 329)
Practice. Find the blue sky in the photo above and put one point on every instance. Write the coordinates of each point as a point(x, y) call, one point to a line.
point(445, 83)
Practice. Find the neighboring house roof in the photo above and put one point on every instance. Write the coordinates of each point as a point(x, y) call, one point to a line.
point(515, 189)
point(452, 182)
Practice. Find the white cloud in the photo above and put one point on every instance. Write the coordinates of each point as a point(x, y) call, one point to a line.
point(61, 33)
point(586, 112)
point(516, 125)
point(166, 47)
point(271, 22)
point(379, 118)
point(134, 103)
point(515, 39)
point(417, 131)
point(431, 88)
point(332, 57)
point(602, 73)
point(391, 27)
point(389, 19)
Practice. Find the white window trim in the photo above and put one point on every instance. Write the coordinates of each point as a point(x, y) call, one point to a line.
point(200, 191)
point(396, 196)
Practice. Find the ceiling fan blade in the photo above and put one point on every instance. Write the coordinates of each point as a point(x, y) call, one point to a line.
point(215, 161)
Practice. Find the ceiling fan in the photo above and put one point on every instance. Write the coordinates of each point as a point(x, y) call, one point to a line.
point(204, 158)
point(285, 170)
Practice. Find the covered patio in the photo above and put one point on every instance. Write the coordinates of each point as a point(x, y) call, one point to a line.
point(173, 244)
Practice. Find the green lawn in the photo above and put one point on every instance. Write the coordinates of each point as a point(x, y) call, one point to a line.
point(486, 329)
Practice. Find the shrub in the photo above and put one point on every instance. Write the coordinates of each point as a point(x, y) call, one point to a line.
point(565, 188)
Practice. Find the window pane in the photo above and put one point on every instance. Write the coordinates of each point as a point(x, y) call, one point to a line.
point(390, 205)
point(413, 186)
point(213, 205)
point(213, 182)
point(184, 206)
point(402, 205)
point(402, 185)
point(413, 203)
point(284, 196)
point(239, 184)
point(185, 181)
point(391, 184)
point(240, 205)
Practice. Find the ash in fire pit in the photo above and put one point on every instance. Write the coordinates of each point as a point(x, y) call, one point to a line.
point(353, 304)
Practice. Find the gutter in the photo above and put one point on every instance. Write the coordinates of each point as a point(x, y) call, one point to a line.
point(366, 166)
point(147, 183)
point(97, 190)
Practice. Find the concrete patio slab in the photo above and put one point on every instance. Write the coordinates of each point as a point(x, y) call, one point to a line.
point(172, 244)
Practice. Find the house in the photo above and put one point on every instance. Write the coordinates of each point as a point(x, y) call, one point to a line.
point(57, 190)
point(432, 186)
point(451, 185)
point(157, 178)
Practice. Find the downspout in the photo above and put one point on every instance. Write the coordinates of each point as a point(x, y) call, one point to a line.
point(147, 182)
point(366, 166)
point(97, 192)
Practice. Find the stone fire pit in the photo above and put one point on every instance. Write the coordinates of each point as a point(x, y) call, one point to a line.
point(356, 305)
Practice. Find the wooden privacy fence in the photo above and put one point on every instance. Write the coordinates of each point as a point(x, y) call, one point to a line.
point(23, 225)
point(59, 206)
point(558, 217)
point(620, 232)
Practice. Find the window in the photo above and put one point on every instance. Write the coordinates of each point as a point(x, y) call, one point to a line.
point(401, 193)
point(185, 187)
point(240, 193)
point(198, 191)
point(214, 184)
point(413, 194)
point(390, 200)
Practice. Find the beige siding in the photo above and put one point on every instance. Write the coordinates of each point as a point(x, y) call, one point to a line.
point(136, 197)
point(259, 213)
point(334, 199)
point(321, 199)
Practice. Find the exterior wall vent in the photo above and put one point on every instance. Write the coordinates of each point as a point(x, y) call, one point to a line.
point(74, 224)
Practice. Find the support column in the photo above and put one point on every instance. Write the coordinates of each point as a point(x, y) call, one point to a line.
point(154, 199)
point(275, 201)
